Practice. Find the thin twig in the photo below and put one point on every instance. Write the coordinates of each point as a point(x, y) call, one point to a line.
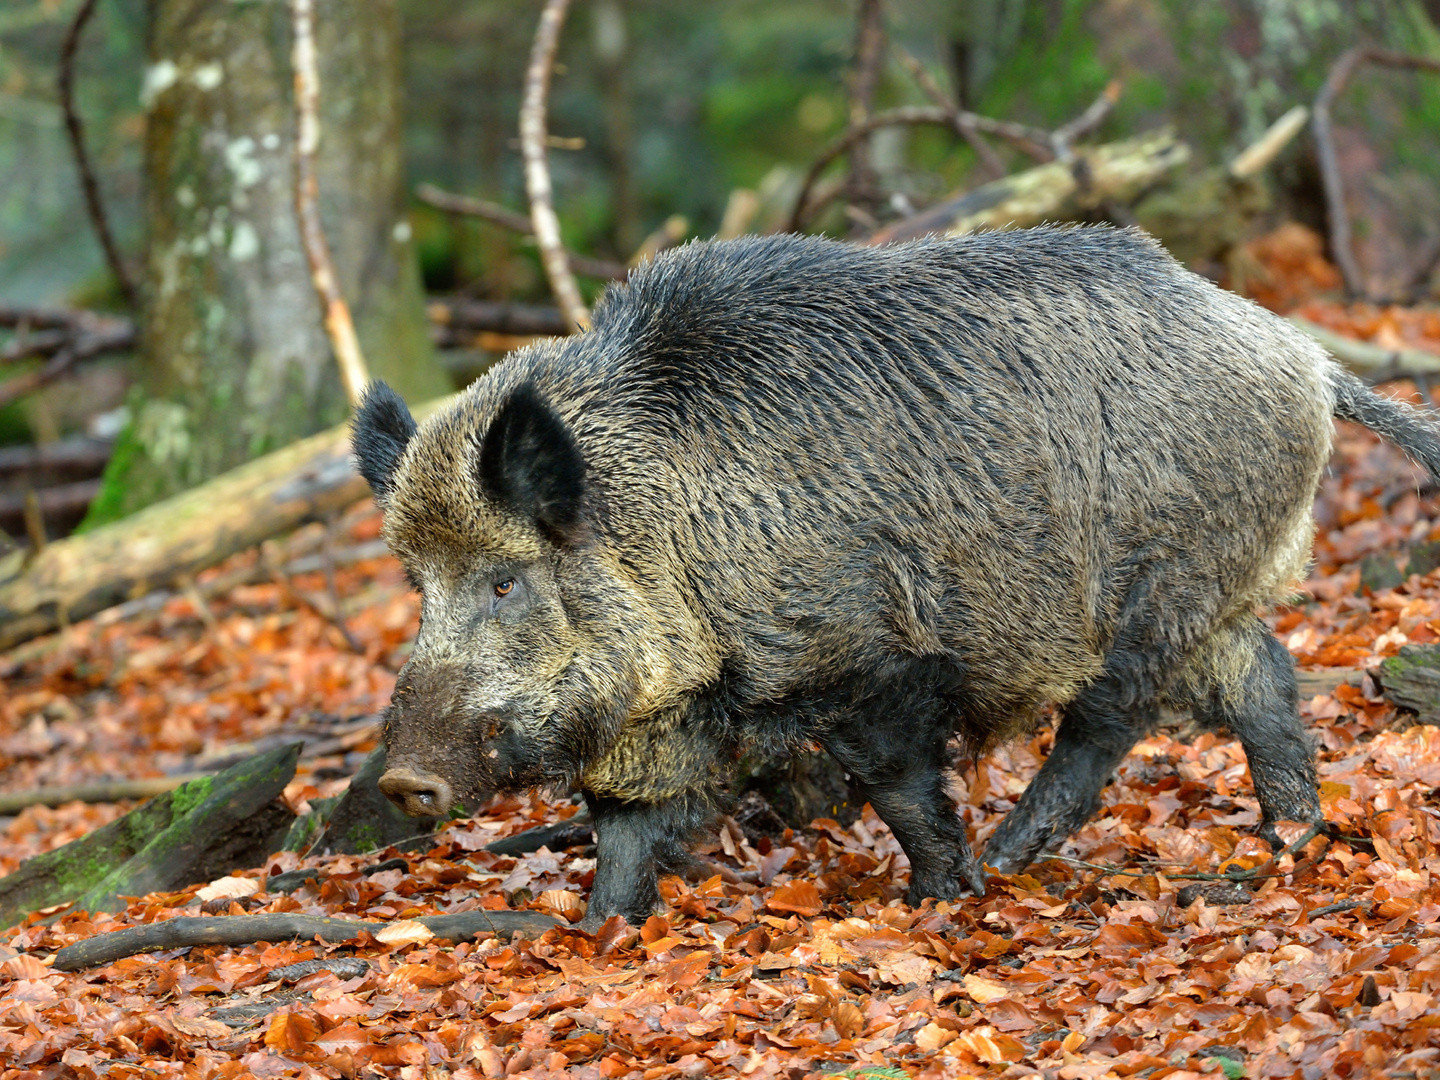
point(990, 159)
point(1032, 140)
point(189, 931)
point(1064, 137)
point(338, 323)
point(94, 205)
point(1344, 905)
point(496, 214)
point(1341, 247)
point(537, 168)
point(84, 346)
point(1254, 873)
point(860, 183)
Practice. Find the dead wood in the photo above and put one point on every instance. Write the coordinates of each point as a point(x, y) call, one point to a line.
point(1373, 362)
point(1096, 176)
point(1411, 680)
point(189, 931)
point(519, 223)
point(497, 317)
point(537, 169)
point(74, 128)
point(204, 829)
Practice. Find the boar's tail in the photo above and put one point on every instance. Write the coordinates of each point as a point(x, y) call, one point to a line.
point(1411, 429)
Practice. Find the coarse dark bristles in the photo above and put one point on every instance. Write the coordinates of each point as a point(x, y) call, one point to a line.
point(874, 498)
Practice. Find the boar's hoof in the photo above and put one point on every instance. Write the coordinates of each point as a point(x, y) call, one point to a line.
point(419, 794)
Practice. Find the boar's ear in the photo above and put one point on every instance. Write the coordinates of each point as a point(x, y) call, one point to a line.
point(382, 427)
point(530, 462)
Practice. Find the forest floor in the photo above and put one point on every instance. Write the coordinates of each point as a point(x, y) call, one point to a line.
point(804, 960)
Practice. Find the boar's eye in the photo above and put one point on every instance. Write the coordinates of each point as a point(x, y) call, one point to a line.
point(504, 588)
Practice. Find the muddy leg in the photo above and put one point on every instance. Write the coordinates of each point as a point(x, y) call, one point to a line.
point(1094, 735)
point(635, 842)
point(1251, 691)
point(906, 787)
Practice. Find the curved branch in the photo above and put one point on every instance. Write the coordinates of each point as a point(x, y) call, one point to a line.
point(76, 131)
point(187, 931)
point(537, 169)
point(496, 214)
point(1032, 140)
point(338, 323)
point(989, 158)
point(1341, 246)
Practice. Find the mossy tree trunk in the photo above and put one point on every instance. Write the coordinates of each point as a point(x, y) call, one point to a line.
point(236, 362)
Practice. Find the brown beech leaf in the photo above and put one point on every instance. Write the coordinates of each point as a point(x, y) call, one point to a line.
point(1117, 939)
point(564, 903)
point(983, 991)
point(404, 932)
point(799, 897)
point(291, 1033)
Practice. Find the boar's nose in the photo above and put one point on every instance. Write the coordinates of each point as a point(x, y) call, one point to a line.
point(419, 794)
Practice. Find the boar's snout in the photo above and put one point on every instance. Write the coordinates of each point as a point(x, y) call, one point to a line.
point(419, 794)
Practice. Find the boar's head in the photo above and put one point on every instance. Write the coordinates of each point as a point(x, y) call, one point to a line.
point(518, 677)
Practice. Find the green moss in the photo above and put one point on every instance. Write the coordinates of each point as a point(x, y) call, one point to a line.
point(364, 838)
point(188, 796)
point(111, 504)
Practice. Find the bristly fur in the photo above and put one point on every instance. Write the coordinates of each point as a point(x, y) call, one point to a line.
point(876, 498)
point(381, 429)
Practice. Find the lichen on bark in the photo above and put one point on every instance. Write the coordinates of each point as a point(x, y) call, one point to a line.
point(235, 358)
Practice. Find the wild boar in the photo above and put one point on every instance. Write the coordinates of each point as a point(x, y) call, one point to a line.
point(789, 491)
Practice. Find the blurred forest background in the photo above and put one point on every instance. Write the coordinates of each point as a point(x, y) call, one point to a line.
point(666, 121)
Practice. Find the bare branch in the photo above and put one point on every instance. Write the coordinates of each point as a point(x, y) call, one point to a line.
point(247, 929)
point(1065, 136)
point(338, 324)
point(1259, 154)
point(990, 160)
point(537, 169)
point(496, 214)
point(87, 342)
point(94, 205)
point(1339, 218)
point(860, 183)
point(1033, 140)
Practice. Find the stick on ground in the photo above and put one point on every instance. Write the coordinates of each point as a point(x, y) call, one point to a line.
point(188, 931)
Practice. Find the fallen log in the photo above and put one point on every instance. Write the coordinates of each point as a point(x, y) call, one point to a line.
point(188, 931)
point(81, 575)
point(1371, 361)
point(201, 830)
point(1095, 176)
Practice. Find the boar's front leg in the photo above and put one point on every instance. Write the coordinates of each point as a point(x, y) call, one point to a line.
point(635, 842)
point(900, 772)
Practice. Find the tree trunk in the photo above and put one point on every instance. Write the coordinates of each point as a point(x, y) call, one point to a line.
point(235, 359)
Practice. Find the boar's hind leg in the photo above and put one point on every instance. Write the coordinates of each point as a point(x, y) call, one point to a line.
point(903, 780)
point(1097, 730)
point(635, 842)
point(1245, 681)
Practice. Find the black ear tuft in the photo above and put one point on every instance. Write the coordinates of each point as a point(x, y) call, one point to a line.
point(379, 432)
point(531, 463)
